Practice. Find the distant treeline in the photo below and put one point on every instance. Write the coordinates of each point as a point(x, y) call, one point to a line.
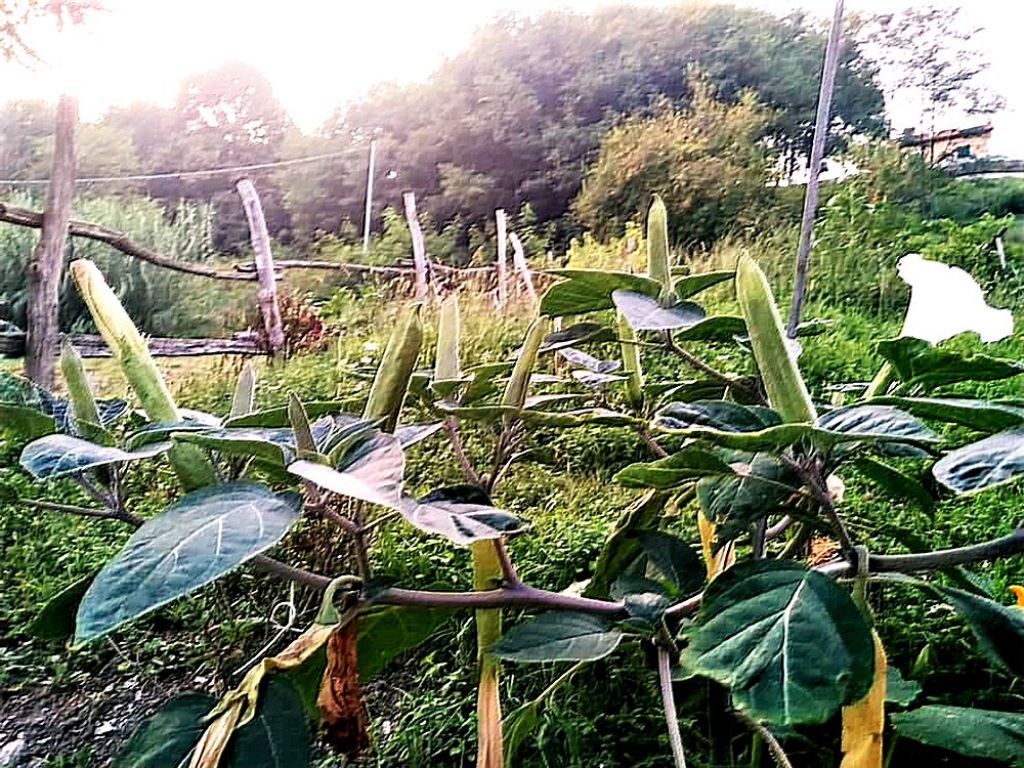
point(515, 119)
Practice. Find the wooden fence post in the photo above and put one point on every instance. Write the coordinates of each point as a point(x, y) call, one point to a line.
point(502, 222)
point(821, 125)
point(519, 259)
point(47, 266)
point(419, 248)
point(267, 294)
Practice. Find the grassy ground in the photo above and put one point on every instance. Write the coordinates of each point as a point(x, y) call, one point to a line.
point(422, 708)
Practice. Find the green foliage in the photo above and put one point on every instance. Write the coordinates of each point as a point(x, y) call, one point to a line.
point(706, 162)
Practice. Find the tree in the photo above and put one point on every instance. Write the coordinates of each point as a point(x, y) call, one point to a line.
point(706, 162)
point(16, 15)
point(527, 103)
point(931, 54)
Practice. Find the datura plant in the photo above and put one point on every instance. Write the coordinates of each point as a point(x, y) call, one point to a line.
point(783, 628)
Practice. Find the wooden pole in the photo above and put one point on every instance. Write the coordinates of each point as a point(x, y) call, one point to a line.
point(419, 248)
point(519, 259)
point(502, 222)
point(369, 195)
point(46, 268)
point(267, 294)
point(821, 124)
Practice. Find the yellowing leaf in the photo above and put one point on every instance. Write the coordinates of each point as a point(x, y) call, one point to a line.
point(715, 562)
point(864, 721)
point(1018, 592)
point(214, 740)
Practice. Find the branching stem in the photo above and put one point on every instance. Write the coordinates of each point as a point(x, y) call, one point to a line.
point(695, 362)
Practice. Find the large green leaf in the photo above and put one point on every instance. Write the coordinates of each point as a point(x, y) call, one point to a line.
point(756, 485)
point(898, 690)
point(987, 463)
point(590, 290)
point(166, 739)
point(714, 328)
point(983, 415)
point(969, 732)
point(878, 420)
point(26, 421)
point(897, 484)
point(562, 636)
point(372, 470)
point(788, 642)
point(918, 362)
point(387, 632)
point(674, 559)
point(784, 435)
point(273, 445)
point(196, 540)
point(59, 455)
point(278, 737)
point(722, 415)
point(689, 464)
point(998, 628)
point(644, 313)
point(690, 285)
point(459, 522)
point(278, 416)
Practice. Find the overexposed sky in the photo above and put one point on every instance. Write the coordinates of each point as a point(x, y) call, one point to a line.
point(319, 54)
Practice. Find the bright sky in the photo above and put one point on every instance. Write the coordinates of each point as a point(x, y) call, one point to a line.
point(319, 54)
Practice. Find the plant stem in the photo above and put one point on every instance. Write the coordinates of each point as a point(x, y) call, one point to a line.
point(668, 702)
point(71, 509)
point(778, 753)
point(451, 427)
point(695, 362)
point(651, 443)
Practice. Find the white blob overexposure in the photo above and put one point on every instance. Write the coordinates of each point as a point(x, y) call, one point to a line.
point(946, 301)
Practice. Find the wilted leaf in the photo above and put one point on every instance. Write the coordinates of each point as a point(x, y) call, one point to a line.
point(341, 699)
point(864, 721)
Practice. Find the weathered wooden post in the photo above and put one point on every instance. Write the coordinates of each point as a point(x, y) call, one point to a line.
point(502, 222)
point(821, 124)
point(419, 248)
point(47, 266)
point(267, 294)
point(519, 259)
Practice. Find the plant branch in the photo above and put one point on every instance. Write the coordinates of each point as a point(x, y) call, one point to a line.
point(653, 444)
point(778, 753)
point(291, 573)
point(508, 570)
point(520, 596)
point(668, 702)
point(451, 427)
point(71, 509)
point(695, 362)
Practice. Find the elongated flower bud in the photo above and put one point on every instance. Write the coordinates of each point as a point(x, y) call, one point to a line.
point(657, 247)
point(446, 362)
point(84, 413)
point(631, 366)
point(130, 351)
point(519, 381)
point(390, 385)
point(783, 383)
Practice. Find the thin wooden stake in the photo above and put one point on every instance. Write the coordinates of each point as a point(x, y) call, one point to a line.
point(821, 124)
point(502, 222)
point(519, 259)
point(368, 213)
point(47, 266)
point(267, 294)
point(419, 248)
